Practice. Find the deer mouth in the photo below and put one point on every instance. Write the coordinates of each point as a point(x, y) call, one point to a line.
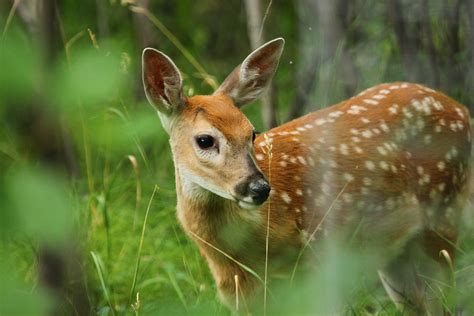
point(247, 205)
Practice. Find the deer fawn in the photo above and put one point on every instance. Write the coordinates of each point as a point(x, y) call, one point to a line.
point(391, 162)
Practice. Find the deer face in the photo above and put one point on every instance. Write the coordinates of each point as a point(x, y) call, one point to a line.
point(212, 145)
point(211, 138)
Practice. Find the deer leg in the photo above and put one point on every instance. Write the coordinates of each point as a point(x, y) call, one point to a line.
point(415, 282)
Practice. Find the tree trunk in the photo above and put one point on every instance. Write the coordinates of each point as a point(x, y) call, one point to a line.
point(308, 61)
point(470, 48)
point(143, 27)
point(407, 47)
point(334, 38)
point(321, 39)
point(256, 36)
point(428, 34)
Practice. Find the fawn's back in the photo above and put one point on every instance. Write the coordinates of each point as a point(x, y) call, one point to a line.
point(391, 162)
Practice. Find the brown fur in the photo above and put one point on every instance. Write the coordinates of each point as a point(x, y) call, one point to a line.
point(414, 211)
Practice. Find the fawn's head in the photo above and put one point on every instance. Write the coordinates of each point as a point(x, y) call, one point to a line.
point(211, 139)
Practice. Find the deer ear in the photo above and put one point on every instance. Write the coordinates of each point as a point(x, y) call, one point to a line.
point(162, 82)
point(252, 76)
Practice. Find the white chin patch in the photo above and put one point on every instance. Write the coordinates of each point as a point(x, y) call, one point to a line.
point(248, 206)
point(190, 182)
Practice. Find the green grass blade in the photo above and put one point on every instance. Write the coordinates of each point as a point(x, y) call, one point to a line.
point(100, 271)
point(140, 246)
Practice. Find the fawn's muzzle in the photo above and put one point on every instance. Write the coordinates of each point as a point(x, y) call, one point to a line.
point(256, 188)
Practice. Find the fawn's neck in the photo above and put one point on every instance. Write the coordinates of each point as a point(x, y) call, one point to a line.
point(218, 221)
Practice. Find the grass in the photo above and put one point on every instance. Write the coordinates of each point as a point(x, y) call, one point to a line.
point(125, 157)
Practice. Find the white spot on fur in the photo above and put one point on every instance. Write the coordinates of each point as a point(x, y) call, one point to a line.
point(441, 165)
point(370, 165)
point(371, 102)
point(382, 150)
point(425, 179)
point(335, 114)
point(259, 157)
point(459, 112)
point(420, 123)
point(453, 126)
point(420, 170)
point(299, 192)
point(356, 109)
point(285, 197)
point(367, 181)
point(384, 127)
point(320, 122)
point(407, 113)
point(393, 168)
point(348, 177)
point(367, 134)
point(393, 109)
point(355, 139)
point(344, 149)
point(384, 165)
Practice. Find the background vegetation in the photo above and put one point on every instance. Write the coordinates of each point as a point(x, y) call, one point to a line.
point(87, 201)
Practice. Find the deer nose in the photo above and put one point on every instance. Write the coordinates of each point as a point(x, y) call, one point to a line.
point(255, 189)
point(259, 190)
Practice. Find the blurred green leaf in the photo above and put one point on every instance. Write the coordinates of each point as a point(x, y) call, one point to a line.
point(92, 78)
point(40, 203)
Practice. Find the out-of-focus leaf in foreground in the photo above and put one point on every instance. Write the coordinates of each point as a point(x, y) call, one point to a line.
point(92, 77)
point(38, 205)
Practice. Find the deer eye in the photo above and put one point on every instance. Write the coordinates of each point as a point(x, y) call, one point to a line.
point(205, 141)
